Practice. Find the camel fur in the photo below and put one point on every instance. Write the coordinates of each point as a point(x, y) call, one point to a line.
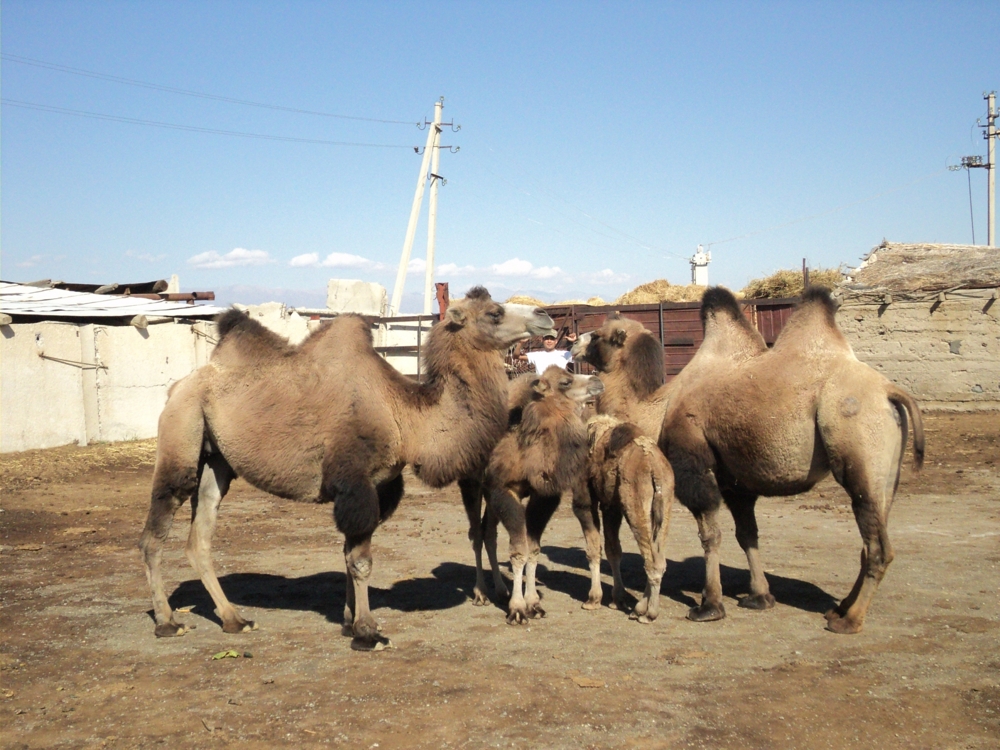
point(628, 476)
point(776, 423)
point(329, 421)
point(542, 456)
point(629, 359)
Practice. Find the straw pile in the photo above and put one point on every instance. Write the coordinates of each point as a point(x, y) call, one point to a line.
point(54, 465)
point(593, 302)
point(782, 284)
point(927, 268)
point(524, 299)
point(661, 290)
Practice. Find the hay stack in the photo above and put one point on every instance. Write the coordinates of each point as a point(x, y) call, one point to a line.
point(661, 290)
point(927, 268)
point(524, 299)
point(786, 283)
point(593, 302)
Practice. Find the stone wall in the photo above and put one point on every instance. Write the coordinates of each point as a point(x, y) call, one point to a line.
point(945, 352)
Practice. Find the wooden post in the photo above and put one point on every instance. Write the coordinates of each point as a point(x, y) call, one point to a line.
point(805, 274)
point(442, 298)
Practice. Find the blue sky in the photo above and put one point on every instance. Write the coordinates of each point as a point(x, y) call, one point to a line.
point(600, 142)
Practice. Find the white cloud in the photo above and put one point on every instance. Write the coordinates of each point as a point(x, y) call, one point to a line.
point(416, 266)
point(453, 269)
point(237, 257)
point(546, 272)
point(347, 260)
point(34, 260)
point(148, 257)
point(606, 276)
point(309, 259)
point(512, 267)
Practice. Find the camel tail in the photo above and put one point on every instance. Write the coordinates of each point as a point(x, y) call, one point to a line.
point(901, 398)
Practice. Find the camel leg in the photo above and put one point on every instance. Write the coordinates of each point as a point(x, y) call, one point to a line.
point(536, 515)
point(175, 479)
point(506, 505)
point(711, 598)
point(642, 502)
point(472, 499)
point(216, 475)
point(347, 624)
point(490, 522)
point(611, 516)
point(586, 513)
point(742, 508)
point(876, 555)
point(656, 565)
point(359, 565)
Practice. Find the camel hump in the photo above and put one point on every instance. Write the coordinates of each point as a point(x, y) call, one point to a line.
point(820, 295)
point(250, 337)
point(621, 437)
point(901, 398)
point(719, 299)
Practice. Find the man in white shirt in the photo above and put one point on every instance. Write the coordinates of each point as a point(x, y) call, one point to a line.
point(550, 355)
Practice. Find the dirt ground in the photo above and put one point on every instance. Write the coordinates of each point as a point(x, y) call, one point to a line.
point(81, 667)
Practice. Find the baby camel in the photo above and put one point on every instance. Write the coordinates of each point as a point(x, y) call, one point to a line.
point(628, 475)
point(543, 455)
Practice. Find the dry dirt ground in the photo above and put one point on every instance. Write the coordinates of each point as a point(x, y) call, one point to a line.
point(81, 668)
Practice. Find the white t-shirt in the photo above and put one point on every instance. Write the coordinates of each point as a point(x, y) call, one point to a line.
point(541, 360)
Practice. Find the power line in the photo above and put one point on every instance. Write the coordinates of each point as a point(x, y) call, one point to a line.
point(188, 128)
point(187, 92)
point(826, 213)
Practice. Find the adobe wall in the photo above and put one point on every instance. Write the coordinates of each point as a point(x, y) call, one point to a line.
point(946, 353)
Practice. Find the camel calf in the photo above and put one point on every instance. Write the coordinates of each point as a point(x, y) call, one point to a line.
point(543, 455)
point(628, 475)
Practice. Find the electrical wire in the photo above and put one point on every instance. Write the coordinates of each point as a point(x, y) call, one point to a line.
point(187, 92)
point(826, 213)
point(188, 128)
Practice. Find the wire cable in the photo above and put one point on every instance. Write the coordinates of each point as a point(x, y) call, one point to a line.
point(188, 128)
point(187, 92)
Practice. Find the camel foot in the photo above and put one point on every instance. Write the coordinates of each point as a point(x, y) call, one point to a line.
point(593, 602)
point(833, 614)
point(644, 619)
point(170, 630)
point(706, 612)
point(479, 598)
point(535, 610)
point(379, 643)
point(517, 616)
point(757, 601)
point(843, 626)
point(239, 626)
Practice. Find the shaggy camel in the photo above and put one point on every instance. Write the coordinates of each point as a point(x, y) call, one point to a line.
point(628, 475)
point(543, 455)
point(329, 421)
point(630, 362)
point(776, 423)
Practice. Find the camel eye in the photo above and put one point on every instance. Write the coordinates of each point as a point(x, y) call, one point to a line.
point(496, 316)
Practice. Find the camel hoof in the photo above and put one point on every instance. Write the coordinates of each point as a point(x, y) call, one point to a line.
point(643, 619)
point(758, 601)
point(843, 626)
point(706, 612)
point(379, 643)
point(535, 610)
point(170, 630)
point(479, 599)
point(239, 626)
point(591, 604)
point(517, 617)
point(833, 614)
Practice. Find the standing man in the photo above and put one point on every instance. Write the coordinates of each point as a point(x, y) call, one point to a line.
point(550, 355)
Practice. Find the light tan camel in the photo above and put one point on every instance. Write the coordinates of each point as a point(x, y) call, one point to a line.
point(329, 421)
point(775, 424)
point(628, 475)
point(543, 455)
point(629, 359)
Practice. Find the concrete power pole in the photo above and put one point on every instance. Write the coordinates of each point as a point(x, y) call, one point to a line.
point(411, 227)
point(991, 166)
point(432, 208)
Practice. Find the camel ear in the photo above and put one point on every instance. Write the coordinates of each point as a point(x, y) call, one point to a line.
point(456, 316)
point(540, 386)
point(618, 338)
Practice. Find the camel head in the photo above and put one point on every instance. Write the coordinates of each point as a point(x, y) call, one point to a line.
point(491, 325)
point(625, 345)
point(555, 381)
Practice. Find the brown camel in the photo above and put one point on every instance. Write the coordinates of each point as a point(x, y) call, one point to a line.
point(628, 475)
point(543, 455)
point(775, 424)
point(329, 421)
point(629, 359)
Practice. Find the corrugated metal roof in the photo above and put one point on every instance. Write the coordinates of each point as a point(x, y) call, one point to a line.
point(18, 299)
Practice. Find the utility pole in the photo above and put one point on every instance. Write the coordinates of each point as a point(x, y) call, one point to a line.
point(991, 165)
point(432, 209)
point(431, 156)
point(976, 162)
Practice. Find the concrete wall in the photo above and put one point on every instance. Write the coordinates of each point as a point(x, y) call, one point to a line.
point(947, 354)
point(64, 383)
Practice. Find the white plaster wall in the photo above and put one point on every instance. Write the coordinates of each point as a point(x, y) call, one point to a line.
point(946, 354)
point(41, 404)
